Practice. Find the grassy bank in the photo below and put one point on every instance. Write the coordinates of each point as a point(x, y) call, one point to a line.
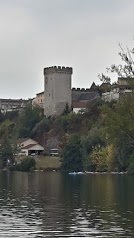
point(48, 163)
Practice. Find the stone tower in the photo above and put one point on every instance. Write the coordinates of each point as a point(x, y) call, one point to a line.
point(57, 83)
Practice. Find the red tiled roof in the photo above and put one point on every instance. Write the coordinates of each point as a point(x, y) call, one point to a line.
point(78, 104)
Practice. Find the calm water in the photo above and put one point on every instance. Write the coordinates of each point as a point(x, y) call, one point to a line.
point(59, 205)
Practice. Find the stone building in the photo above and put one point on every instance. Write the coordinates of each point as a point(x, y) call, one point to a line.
point(39, 99)
point(12, 104)
point(82, 96)
point(57, 83)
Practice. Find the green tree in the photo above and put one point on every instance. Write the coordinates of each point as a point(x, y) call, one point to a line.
point(26, 165)
point(6, 127)
point(6, 153)
point(27, 120)
point(72, 157)
point(119, 127)
point(40, 127)
point(89, 143)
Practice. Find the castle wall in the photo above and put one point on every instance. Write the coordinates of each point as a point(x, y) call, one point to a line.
point(57, 90)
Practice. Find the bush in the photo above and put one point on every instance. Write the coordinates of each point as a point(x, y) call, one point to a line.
point(26, 165)
point(99, 159)
point(131, 168)
point(131, 164)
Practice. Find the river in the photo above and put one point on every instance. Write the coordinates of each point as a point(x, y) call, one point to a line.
point(40, 204)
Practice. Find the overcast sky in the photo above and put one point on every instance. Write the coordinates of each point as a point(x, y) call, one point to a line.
point(83, 34)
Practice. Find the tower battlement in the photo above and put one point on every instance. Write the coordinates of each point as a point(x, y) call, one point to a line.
point(81, 89)
point(58, 69)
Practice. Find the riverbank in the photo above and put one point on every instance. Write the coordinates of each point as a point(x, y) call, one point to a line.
point(47, 163)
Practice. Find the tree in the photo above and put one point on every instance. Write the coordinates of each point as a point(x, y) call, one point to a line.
point(88, 143)
point(6, 127)
point(72, 157)
point(119, 127)
point(27, 120)
point(26, 165)
point(104, 79)
point(6, 153)
point(127, 68)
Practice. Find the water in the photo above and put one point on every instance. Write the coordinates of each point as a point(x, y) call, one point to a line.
point(38, 204)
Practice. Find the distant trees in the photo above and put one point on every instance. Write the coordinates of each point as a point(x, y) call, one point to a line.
point(27, 120)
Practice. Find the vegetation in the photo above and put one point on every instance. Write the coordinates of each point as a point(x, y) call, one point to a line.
point(48, 163)
point(99, 139)
point(26, 165)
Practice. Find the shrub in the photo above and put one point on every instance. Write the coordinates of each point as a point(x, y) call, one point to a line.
point(131, 164)
point(26, 165)
point(99, 159)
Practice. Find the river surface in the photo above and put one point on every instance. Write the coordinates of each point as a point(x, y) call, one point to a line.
point(41, 204)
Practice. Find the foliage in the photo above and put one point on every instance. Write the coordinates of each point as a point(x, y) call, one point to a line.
point(72, 154)
point(127, 68)
point(119, 121)
point(103, 78)
point(102, 159)
point(27, 164)
point(6, 152)
point(118, 127)
point(6, 127)
point(98, 159)
point(88, 143)
point(26, 121)
point(41, 126)
point(131, 164)
point(66, 110)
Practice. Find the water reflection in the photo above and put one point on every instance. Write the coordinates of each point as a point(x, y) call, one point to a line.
point(58, 205)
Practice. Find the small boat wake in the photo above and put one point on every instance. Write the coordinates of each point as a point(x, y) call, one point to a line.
point(75, 173)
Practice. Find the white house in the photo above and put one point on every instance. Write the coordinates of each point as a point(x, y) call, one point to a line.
point(35, 149)
point(28, 147)
point(112, 95)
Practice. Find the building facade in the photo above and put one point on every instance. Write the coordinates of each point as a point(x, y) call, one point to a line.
point(39, 100)
point(57, 83)
point(12, 104)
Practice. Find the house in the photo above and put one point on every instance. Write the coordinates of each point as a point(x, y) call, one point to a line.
point(81, 97)
point(28, 146)
point(39, 100)
point(79, 107)
point(13, 104)
point(32, 149)
point(112, 95)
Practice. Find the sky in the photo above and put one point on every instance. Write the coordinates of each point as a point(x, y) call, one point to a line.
point(83, 34)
